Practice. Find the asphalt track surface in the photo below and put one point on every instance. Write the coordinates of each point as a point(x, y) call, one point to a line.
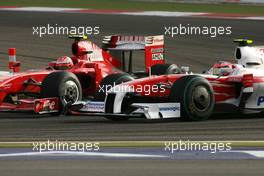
point(131, 167)
point(199, 52)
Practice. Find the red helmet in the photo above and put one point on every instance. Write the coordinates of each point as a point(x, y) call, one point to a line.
point(64, 63)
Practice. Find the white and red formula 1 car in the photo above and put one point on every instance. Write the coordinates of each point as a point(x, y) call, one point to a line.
point(188, 96)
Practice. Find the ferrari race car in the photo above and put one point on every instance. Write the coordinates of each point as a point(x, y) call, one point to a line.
point(194, 97)
point(71, 79)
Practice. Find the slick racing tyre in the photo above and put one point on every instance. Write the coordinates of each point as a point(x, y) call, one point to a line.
point(164, 69)
point(196, 96)
point(64, 85)
point(110, 81)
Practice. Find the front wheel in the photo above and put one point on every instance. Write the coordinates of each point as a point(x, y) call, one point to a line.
point(64, 85)
point(195, 94)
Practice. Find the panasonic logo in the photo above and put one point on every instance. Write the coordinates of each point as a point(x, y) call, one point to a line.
point(170, 109)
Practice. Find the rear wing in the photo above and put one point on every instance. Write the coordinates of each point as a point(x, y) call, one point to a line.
point(152, 45)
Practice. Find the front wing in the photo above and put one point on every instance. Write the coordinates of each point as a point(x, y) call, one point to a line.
point(147, 110)
point(38, 106)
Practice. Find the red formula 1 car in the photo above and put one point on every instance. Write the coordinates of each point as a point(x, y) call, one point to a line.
point(195, 97)
point(76, 78)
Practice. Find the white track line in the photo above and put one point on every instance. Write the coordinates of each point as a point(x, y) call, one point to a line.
point(253, 18)
point(39, 9)
point(139, 13)
point(163, 13)
point(256, 153)
point(68, 153)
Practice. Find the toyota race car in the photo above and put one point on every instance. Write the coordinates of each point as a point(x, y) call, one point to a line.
point(77, 78)
point(190, 96)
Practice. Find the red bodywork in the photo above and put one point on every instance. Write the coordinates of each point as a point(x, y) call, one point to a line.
point(21, 90)
point(225, 87)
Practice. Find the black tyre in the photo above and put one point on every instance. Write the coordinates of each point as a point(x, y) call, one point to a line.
point(64, 85)
point(164, 69)
point(196, 97)
point(109, 81)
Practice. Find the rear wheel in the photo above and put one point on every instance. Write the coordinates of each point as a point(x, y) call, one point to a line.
point(196, 97)
point(164, 69)
point(64, 85)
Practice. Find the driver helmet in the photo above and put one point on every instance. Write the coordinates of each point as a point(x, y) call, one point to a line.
point(64, 63)
point(220, 65)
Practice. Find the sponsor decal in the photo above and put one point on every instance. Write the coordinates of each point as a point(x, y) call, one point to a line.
point(235, 79)
point(154, 40)
point(173, 108)
point(130, 39)
point(157, 50)
point(260, 100)
point(158, 40)
point(94, 107)
point(48, 105)
point(158, 56)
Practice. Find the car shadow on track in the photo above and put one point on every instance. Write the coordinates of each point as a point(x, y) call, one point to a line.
point(214, 118)
point(23, 115)
point(93, 119)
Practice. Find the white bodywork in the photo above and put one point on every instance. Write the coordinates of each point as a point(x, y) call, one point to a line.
point(150, 110)
point(251, 61)
point(159, 110)
point(251, 55)
point(92, 106)
point(4, 75)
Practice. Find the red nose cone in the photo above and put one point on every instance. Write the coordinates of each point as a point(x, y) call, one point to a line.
point(12, 51)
